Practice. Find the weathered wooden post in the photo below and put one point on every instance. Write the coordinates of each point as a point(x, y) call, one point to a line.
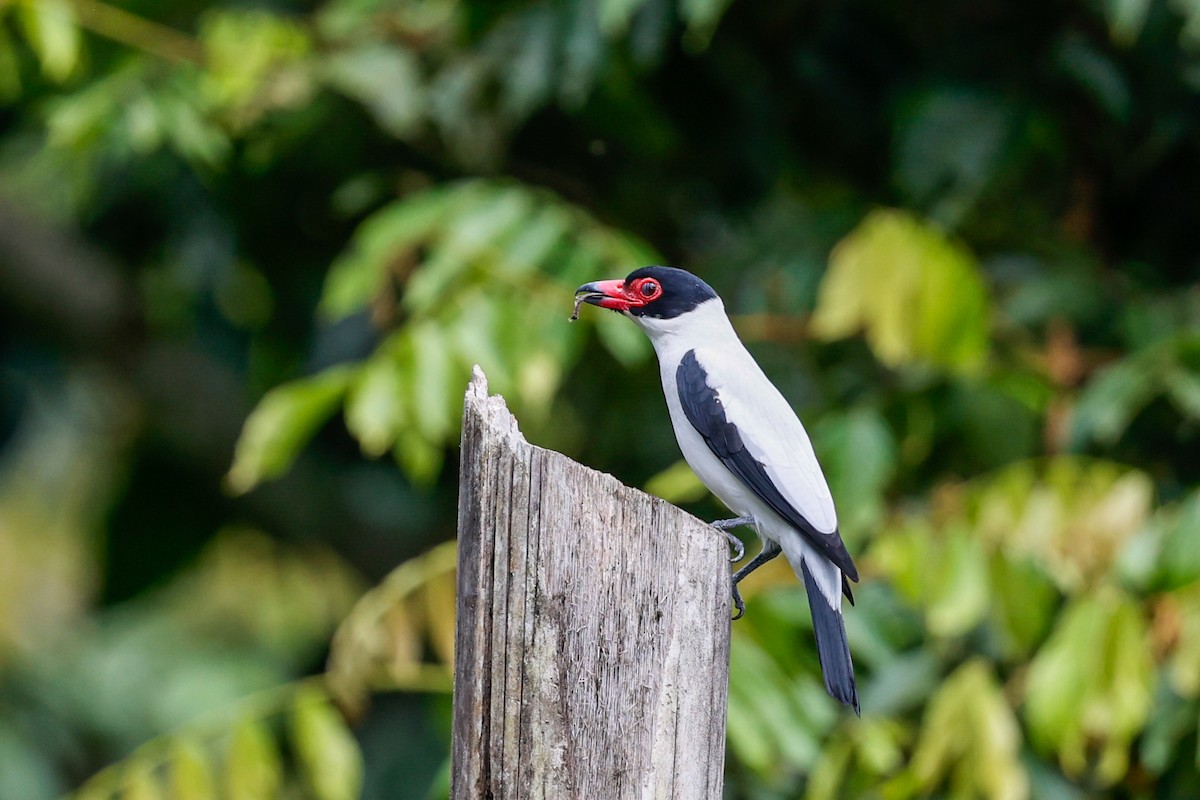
point(592, 649)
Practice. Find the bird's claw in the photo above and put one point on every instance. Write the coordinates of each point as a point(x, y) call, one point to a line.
point(738, 547)
point(738, 603)
point(735, 544)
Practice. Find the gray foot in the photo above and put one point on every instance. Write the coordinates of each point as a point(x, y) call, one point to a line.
point(723, 525)
point(738, 603)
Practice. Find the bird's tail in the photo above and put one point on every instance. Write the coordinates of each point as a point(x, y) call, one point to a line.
point(834, 651)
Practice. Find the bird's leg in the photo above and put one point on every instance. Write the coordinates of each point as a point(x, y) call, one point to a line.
point(723, 525)
point(770, 550)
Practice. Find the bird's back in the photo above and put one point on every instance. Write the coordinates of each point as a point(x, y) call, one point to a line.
point(765, 421)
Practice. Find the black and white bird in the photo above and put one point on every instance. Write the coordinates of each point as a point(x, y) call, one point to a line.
point(745, 443)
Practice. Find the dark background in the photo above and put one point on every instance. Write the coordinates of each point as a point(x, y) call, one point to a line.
point(959, 236)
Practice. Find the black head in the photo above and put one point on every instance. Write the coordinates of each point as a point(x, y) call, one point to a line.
point(653, 292)
point(681, 291)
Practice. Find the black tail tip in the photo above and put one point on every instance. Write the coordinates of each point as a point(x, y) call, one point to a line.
point(845, 693)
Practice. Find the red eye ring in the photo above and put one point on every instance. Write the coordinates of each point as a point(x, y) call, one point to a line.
point(647, 289)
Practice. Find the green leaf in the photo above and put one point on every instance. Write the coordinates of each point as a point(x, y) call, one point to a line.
point(618, 248)
point(434, 393)
point(918, 296)
point(138, 782)
point(991, 426)
point(858, 455)
point(901, 555)
point(377, 245)
point(27, 769)
point(489, 214)
point(191, 773)
point(282, 423)
point(440, 787)
point(538, 379)
point(1179, 557)
point(829, 772)
point(1183, 665)
point(10, 66)
point(420, 458)
point(702, 17)
point(375, 403)
point(253, 769)
point(54, 36)
point(970, 736)
point(1024, 602)
point(958, 576)
point(1090, 686)
point(469, 256)
point(245, 50)
point(1096, 73)
point(902, 681)
point(539, 237)
point(677, 484)
point(615, 14)
point(773, 717)
point(190, 131)
point(328, 754)
point(583, 49)
point(1189, 37)
point(1163, 743)
point(622, 339)
point(380, 642)
point(878, 744)
point(92, 790)
point(1126, 19)
point(942, 570)
point(384, 78)
point(532, 41)
point(1073, 516)
point(1183, 388)
point(1112, 399)
point(472, 333)
point(950, 144)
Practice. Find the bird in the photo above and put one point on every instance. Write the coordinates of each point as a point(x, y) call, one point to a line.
point(746, 444)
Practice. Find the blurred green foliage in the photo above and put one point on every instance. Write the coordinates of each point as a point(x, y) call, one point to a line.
point(249, 252)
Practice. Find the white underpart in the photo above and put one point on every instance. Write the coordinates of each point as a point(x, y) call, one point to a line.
point(769, 429)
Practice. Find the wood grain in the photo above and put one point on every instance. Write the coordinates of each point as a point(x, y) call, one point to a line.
point(592, 642)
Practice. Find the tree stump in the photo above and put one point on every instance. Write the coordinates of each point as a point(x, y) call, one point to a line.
point(592, 642)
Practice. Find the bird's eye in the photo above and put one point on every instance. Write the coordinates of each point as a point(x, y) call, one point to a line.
point(649, 289)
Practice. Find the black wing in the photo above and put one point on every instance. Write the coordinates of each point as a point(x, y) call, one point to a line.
point(704, 410)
